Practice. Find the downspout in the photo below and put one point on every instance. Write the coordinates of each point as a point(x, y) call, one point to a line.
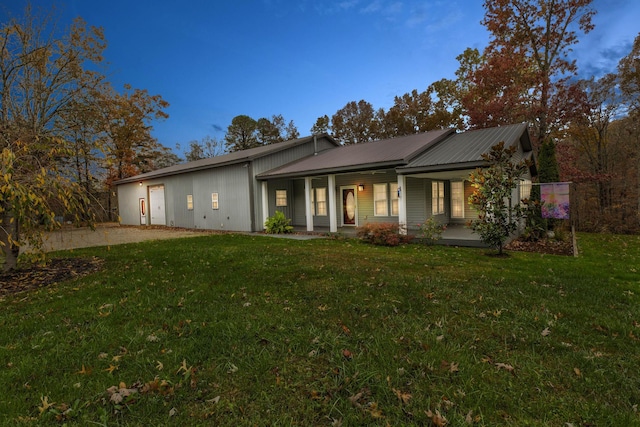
point(252, 182)
point(315, 145)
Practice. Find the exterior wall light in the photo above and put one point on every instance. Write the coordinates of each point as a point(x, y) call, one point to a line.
point(360, 187)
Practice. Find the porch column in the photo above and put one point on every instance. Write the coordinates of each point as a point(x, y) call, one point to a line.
point(265, 202)
point(333, 218)
point(402, 204)
point(307, 203)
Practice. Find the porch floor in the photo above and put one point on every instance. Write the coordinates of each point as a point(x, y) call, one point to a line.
point(454, 235)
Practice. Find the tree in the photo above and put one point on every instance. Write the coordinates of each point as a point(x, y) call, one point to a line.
point(499, 216)
point(629, 72)
point(321, 126)
point(435, 108)
point(270, 132)
point(241, 134)
point(356, 123)
point(206, 148)
point(526, 61)
point(42, 73)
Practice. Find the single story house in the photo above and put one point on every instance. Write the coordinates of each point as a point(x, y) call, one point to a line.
point(321, 185)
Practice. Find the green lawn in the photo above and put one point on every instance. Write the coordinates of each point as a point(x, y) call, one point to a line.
point(249, 330)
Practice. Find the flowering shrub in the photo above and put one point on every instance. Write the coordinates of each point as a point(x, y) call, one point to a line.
point(382, 234)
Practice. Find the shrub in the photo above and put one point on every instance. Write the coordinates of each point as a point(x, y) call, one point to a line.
point(278, 224)
point(431, 230)
point(382, 234)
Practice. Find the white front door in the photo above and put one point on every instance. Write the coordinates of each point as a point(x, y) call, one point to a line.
point(156, 205)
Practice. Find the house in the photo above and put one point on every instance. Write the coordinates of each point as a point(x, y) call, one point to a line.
point(321, 185)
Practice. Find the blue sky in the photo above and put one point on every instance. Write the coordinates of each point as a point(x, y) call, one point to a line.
point(215, 59)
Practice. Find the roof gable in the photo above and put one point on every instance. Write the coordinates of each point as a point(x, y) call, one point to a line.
point(465, 149)
point(383, 153)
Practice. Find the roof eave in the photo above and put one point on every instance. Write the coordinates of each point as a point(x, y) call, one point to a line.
point(441, 167)
point(330, 171)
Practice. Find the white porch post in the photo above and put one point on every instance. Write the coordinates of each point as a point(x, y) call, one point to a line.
point(307, 203)
point(402, 204)
point(333, 218)
point(265, 202)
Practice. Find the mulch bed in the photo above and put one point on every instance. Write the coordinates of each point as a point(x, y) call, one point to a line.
point(546, 246)
point(39, 276)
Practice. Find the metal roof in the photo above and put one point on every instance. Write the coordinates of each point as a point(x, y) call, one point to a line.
point(383, 153)
point(465, 150)
point(225, 160)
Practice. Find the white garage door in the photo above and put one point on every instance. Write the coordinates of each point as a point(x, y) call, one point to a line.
point(156, 205)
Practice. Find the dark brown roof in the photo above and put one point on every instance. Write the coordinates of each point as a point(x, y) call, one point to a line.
point(464, 150)
point(224, 160)
point(378, 154)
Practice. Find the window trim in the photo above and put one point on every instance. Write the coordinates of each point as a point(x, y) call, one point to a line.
point(393, 197)
point(189, 202)
point(383, 201)
point(437, 197)
point(215, 201)
point(454, 199)
point(281, 198)
point(319, 205)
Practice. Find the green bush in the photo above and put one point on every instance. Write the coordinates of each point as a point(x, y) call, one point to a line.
point(431, 230)
point(278, 224)
point(382, 234)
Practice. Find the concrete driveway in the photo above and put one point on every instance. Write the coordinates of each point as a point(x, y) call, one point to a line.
point(107, 234)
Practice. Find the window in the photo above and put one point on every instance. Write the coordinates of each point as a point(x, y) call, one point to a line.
point(457, 199)
point(437, 197)
point(380, 204)
point(190, 202)
point(214, 201)
point(393, 189)
point(320, 201)
point(281, 198)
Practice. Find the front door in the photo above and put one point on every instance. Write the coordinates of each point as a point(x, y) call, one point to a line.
point(349, 206)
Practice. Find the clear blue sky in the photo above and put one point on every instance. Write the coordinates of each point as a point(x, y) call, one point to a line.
point(215, 59)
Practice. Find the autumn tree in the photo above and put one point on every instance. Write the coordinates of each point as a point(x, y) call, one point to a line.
point(499, 215)
point(629, 72)
point(321, 126)
point(42, 73)
point(356, 122)
point(435, 108)
point(526, 64)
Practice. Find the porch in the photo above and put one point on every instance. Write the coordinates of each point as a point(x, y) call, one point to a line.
point(454, 235)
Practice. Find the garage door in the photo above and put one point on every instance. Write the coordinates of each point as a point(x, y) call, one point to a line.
point(156, 205)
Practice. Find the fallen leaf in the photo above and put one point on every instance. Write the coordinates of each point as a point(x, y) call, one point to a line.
point(111, 368)
point(45, 404)
point(354, 399)
point(506, 367)
point(84, 371)
point(347, 354)
point(159, 366)
point(374, 410)
point(173, 412)
point(346, 330)
point(577, 372)
point(437, 419)
point(453, 367)
point(403, 397)
point(545, 332)
point(214, 400)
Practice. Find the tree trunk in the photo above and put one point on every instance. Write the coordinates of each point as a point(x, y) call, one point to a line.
point(9, 234)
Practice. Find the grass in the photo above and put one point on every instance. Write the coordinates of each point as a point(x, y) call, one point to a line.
point(249, 330)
